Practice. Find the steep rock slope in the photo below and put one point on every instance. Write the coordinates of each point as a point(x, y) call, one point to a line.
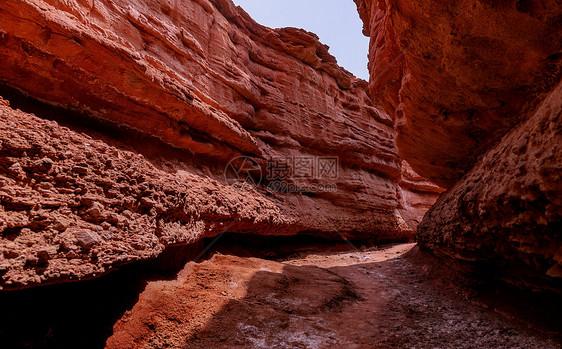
point(457, 75)
point(204, 78)
point(506, 213)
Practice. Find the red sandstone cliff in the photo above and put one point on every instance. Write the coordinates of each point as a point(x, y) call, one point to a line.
point(506, 213)
point(204, 78)
point(457, 75)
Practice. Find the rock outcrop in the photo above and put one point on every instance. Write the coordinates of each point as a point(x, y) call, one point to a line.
point(200, 79)
point(457, 76)
point(505, 215)
point(74, 207)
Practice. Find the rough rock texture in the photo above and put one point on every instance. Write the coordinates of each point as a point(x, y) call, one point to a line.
point(413, 194)
point(200, 76)
point(74, 207)
point(457, 75)
point(506, 213)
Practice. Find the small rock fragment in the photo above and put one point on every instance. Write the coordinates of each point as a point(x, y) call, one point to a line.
point(80, 169)
point(87, 239)
point(96, 210)
point(31, 259)
point(43, 256)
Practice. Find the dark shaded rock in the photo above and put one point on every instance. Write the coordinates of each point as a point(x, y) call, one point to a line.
point(505, 215)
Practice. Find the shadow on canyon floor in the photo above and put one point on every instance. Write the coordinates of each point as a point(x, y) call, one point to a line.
point(314, 296)
point(81, 314)
point(385, 304)
point(377, 298)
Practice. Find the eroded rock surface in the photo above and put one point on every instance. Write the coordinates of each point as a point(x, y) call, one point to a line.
point(506, 213)
point(75, 207)
point(458, 75)
point(199, 75)
point(204, 78)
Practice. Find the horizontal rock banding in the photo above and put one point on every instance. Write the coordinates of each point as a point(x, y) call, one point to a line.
point(206, 79)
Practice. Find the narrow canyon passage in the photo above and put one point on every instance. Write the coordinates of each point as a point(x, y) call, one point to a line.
point(174, 174)
point(372, 298)
point(323, 296)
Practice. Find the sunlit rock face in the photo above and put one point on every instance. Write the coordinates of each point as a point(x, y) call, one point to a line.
point(191, 85)
point(457, 75)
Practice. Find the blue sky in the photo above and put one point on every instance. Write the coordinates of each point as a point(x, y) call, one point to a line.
point(336, 22)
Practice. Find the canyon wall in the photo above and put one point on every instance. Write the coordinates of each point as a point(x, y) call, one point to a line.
point(457, 75)
point(505, 215)
point(160, 97)
point(76, 207)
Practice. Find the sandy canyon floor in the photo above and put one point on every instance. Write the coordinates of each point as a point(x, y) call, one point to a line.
point(373, 298)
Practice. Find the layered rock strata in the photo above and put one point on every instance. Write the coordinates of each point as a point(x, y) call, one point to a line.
point(75, 207)
point(457, 76)
point(205, 79)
